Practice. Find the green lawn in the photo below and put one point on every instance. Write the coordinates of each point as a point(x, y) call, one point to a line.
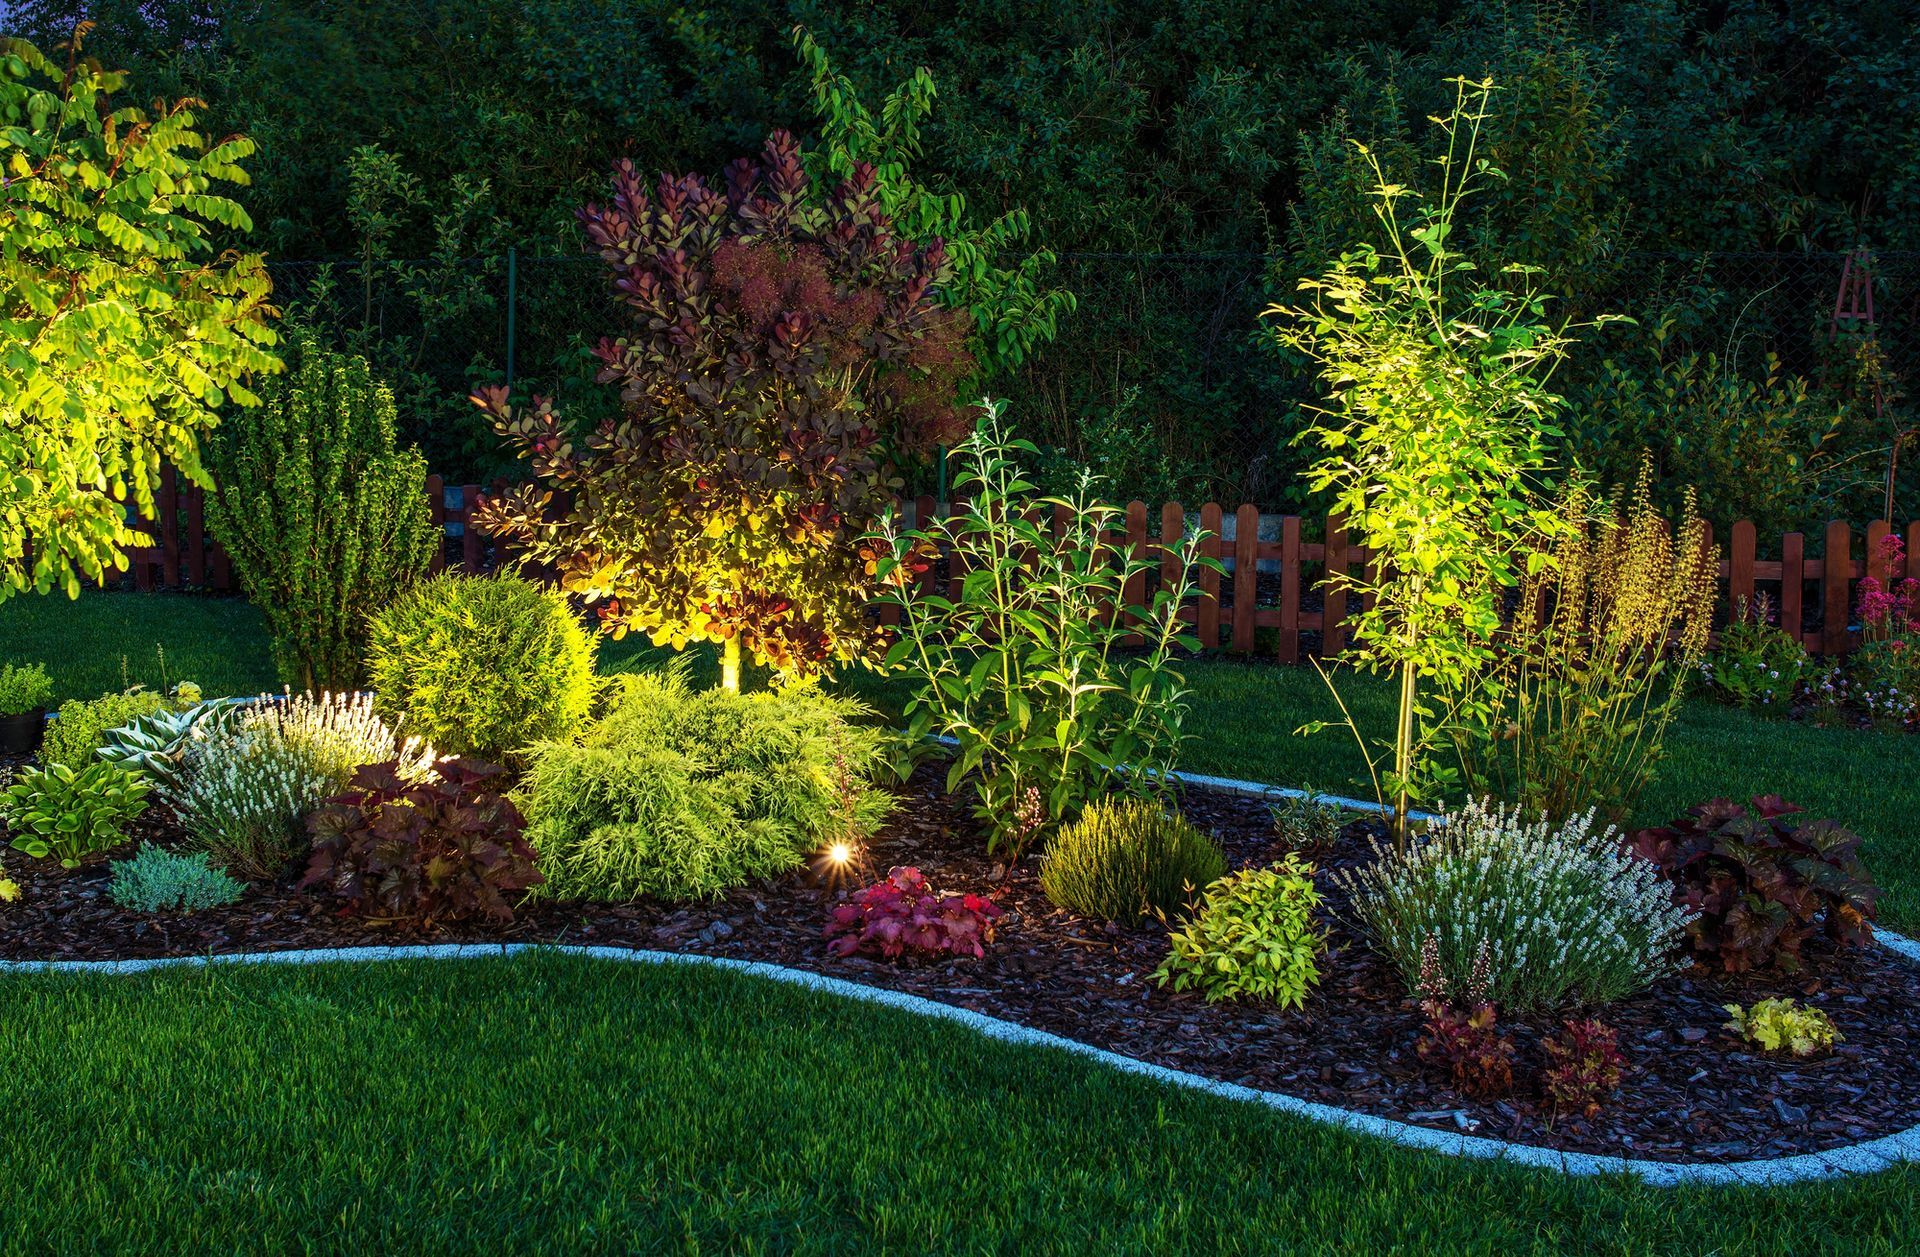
point(545, 1104)
point(1244, 717)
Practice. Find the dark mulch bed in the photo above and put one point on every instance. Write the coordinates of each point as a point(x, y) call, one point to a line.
point(1693, 1091)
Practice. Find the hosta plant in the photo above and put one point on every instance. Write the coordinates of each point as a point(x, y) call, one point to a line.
point(1781, 1025)
point(1126, 859)
point(56, 811)
point(1252, 936)
point(1564, 914)
point(904, 916)
point(1757, 879)
point(399, 847)
point(156, 744)
point(783, 343)
point(157, 880)
point(1584, 1067)
point(1030, 669)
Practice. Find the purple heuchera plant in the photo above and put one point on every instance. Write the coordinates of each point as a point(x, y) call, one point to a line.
point(903, 914)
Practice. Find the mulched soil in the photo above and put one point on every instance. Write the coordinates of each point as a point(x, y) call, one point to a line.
point(1693, 1091)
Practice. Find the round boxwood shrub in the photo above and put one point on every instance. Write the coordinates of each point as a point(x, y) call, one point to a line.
point(481, 665)
point(1124, 859)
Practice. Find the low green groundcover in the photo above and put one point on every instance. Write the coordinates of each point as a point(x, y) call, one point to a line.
point(545, 1104)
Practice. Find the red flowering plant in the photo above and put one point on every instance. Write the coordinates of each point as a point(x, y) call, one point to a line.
point(1885, 671)
point(784, 345)
point(1583, 1068)
point(903, 915)
point(1463, 1036)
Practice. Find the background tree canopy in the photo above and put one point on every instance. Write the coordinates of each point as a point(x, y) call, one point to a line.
point(1210, 135)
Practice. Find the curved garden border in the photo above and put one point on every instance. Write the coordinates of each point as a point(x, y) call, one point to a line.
point(1864, 1158)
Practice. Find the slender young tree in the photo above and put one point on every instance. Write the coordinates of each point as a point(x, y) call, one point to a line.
point(1435, 431)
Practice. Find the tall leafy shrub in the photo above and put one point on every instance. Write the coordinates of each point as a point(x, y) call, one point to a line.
point(1434, 427)
point(783, 342)
point(326, 519)
point(1025, 669)
point(126, 333)
point(997, 276)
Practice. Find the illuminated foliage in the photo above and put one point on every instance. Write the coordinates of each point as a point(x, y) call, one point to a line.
point(123, 333)
point(784, 343)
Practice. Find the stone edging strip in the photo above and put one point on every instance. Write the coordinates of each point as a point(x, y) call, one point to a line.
point(1865, 1158)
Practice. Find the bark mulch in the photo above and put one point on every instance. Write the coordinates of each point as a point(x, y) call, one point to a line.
point(1692, 1092)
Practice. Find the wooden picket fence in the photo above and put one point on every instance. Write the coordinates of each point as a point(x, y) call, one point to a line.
point(1273, 600)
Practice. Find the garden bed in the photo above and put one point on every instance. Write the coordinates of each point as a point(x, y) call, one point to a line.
point(1692, 1092)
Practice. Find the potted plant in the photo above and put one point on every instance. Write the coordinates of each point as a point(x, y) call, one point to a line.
point(24, 692)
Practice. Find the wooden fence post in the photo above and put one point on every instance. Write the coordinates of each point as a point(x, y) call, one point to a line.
point(1740, 571)
point(1290, 589)
point(1835, 606)
point(1333, 635)
point(1246, 575)
point(1206, 616)
point(1793, 578)
point(437, 513)
point(1133, 594)
point(1173, 530)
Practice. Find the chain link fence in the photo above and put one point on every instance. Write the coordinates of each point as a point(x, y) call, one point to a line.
point(1161, 379)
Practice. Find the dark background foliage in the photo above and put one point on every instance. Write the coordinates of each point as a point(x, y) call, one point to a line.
point(1696, 165)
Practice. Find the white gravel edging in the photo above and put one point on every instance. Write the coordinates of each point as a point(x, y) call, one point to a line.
point(1865, 1158)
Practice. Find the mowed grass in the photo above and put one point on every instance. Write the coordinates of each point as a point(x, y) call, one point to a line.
point(1243, 719)
point(545, 1104)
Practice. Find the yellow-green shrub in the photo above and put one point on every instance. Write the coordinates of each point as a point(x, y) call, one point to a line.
point(1252, 935)
point(482, 665)
point(1125, 859)
point(76, 735)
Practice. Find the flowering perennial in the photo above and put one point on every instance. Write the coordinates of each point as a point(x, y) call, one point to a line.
point(1563, 913)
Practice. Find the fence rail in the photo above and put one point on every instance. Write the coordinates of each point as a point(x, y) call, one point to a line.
point(1273, 600)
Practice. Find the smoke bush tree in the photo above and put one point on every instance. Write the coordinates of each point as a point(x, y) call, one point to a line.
point(785, 343)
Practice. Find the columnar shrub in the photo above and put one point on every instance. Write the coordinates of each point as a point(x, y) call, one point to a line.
point(399, 845)
point(128, 330)
point(482, 665)
point(1252, 935)
point(325, 518)
point(1027, 670)
point(1756, 880)
point(1125, 859)
point(1563, 913)
point(683, 795)
point(157, 880)
point(784, 343)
